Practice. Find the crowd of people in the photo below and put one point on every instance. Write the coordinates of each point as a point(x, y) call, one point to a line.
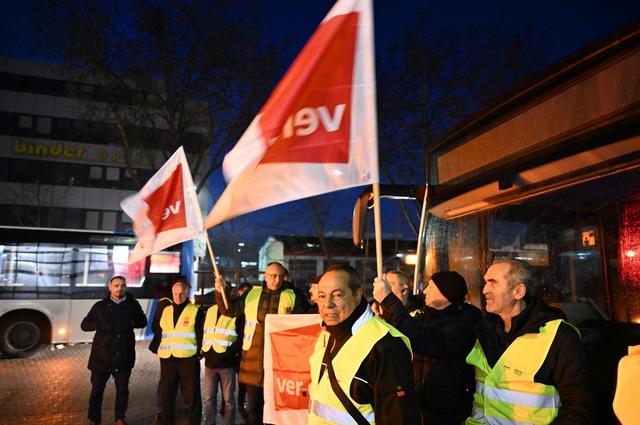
point(397, 359)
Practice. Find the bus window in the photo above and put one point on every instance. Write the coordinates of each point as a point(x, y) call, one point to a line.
point(50, 278)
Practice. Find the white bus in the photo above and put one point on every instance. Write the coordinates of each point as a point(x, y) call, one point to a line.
point(50, 278)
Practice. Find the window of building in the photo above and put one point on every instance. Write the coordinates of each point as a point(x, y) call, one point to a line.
point(113, 174)
point(302, 270)
point(44, 125)
point(93, 220)
point(25, 121)
point(109, 220)
point(95, 173)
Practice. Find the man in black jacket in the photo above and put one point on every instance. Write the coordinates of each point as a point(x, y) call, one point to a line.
point(441, 337)
point(370, 357)
point(113, 350)
point(530, 363)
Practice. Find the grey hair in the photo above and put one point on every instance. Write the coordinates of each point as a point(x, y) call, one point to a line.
point(519, 272)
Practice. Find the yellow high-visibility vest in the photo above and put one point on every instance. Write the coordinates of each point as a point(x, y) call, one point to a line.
point(179, 341)
point(507, 393)
point(285, 306)
point(324, 405)
point(219, 332)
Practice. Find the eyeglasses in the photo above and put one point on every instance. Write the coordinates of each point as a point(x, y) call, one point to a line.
point(273, 276)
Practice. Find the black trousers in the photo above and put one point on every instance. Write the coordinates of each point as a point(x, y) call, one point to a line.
point(98, 384)
point(255, 404)
point(175, 371)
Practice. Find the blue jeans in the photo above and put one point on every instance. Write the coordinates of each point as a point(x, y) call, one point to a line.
point(227, 379)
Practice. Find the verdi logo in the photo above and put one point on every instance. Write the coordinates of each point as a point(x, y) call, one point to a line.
point(291, 350)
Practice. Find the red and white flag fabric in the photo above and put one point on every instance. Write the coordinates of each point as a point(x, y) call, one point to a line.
point(288, 343)
point(166, 211)
point(317, 133)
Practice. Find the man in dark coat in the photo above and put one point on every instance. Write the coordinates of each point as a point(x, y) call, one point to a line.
point(272, 297)
point(113, 351)
point(530, 363)
point(361, 366)
point(443, 336)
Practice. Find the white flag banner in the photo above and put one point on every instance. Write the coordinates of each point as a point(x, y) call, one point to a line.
point(288, 343)
point(166, 211)
point(317, 133)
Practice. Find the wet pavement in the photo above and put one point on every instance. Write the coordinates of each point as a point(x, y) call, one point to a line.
point(52, 388)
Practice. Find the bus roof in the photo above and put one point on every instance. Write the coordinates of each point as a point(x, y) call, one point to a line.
point(575, 121)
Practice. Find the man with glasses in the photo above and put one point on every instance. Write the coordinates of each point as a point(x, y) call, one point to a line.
point(272, 297)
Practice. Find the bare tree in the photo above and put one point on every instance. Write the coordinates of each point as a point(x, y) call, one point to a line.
point(317, 215)
point(435, 77)
point(166, 74)
point(37, 202)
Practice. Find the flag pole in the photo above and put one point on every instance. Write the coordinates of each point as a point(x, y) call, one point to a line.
point(377, 227)
point(215, 268)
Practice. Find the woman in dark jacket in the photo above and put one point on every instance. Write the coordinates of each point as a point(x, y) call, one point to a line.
point(443, 336)
point(113, 350)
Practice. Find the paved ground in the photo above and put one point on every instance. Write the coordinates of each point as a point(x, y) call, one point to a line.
point(53, 387)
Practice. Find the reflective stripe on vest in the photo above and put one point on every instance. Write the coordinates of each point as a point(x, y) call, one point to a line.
point(179, 341)
point(335, 416)
point(219, 332)
point(285, 306)
point(507, 393)
point(325, 407)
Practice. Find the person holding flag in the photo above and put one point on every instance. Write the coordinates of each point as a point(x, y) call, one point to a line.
point(269, 298)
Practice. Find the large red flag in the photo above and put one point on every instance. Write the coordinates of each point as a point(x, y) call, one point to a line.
point(317, 133)
point(166, 211)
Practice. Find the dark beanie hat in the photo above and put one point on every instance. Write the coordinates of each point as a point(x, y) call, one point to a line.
point(451, 285)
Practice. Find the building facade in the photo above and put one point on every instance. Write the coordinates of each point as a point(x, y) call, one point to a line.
point(60, 165)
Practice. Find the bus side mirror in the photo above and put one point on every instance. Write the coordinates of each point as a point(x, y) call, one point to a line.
point(364, 202)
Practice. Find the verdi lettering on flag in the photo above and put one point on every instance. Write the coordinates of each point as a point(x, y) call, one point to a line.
point(166, 210)
point(314, 126)
point(289, 342)
point(291, 350)
point(317, 133)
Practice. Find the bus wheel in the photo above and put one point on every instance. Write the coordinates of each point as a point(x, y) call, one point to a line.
point(22, 335)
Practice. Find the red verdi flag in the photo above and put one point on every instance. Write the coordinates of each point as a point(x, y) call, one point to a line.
point(317, 133)
point(166, 211)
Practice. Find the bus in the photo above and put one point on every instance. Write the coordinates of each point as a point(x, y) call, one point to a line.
point(549, 174)
point(50, 279)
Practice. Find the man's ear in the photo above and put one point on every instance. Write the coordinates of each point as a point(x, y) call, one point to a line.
point(359, 295)
point(520, 291)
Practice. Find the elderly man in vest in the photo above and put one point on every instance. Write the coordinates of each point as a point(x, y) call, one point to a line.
point(179, 354)
point(530, 365)
point(221, 346)
point(361, 366)
point(270, 298)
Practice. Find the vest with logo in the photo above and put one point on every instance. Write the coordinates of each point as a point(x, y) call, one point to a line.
point(179, 340)
point(507, 393)
point(285, 306)
point(324, 405)
point(219, 332)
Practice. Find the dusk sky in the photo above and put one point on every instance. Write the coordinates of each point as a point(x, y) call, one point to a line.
point(567, 25)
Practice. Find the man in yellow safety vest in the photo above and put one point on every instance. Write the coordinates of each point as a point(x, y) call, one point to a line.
point(361, 366)
point(179, 352)
point(272, 297)
point(530, 365)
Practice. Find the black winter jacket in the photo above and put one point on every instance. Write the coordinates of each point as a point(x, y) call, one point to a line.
point(445, 338)
point(384, 378)
point(252, 361)
point(566, 366)
point(113, 347)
